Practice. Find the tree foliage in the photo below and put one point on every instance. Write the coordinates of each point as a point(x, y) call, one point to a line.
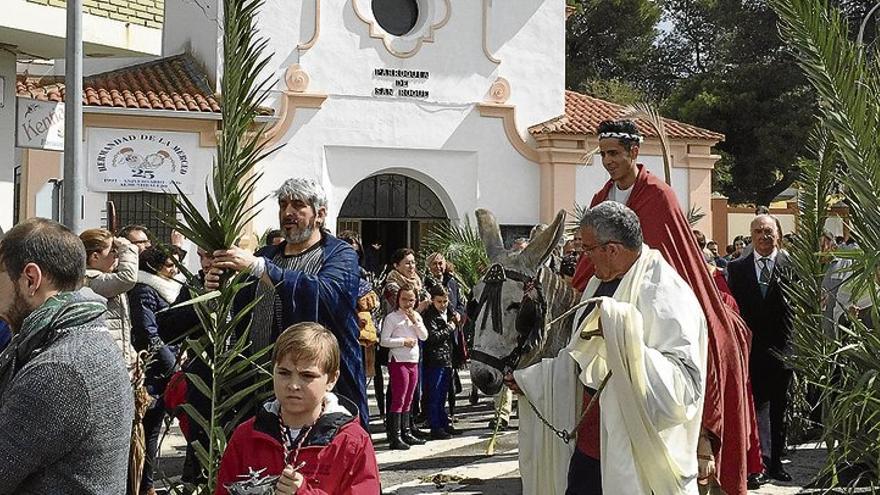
point(612, 42)
point(738, 80)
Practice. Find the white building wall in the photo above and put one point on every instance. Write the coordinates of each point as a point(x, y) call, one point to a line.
point(528, 38)
point(592, 177)
point(464, 158)
point(440, 140)
point(192, 26)
point(7, 138)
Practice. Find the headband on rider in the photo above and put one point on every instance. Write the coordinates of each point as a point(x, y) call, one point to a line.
point(621, 135)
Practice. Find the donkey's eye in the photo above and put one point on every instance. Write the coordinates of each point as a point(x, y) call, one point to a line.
point(514, 306)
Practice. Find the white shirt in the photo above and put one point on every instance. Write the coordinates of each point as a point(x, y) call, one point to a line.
point(771, 263)
point(621, 195)
point(396, 329)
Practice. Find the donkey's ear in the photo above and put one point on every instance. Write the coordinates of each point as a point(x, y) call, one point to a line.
point(540, 248)
point(490, 234)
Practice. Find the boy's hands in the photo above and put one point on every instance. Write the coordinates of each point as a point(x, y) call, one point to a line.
point(289, 481)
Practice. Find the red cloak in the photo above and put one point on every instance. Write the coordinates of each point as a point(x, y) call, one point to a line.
point(728, 408)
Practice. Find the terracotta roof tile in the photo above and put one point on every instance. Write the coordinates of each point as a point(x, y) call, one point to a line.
point(584, 113)
point(172, 83)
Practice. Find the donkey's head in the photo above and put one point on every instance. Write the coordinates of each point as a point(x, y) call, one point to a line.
point(508, 308)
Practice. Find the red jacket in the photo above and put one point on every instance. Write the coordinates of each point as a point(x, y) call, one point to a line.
point(338, 453)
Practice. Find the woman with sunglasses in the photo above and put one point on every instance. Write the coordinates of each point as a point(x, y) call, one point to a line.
point(111, 271)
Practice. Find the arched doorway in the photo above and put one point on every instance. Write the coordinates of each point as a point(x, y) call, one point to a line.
point(389, 211)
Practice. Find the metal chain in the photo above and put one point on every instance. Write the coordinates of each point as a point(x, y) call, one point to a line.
point(564, 434)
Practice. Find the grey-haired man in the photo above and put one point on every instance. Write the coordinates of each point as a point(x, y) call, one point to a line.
point(312, 276)
point(654, 341)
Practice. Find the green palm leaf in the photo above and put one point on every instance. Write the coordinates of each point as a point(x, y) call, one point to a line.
point(844, 363)
point(237, 375)
point(460, 244)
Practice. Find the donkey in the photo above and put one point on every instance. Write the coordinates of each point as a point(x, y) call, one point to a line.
point(512, 303)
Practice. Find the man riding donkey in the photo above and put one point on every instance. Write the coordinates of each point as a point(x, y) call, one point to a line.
point(640, 339)
point(729, 448)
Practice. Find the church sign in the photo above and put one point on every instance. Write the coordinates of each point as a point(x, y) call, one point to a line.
point(125, 160)
point(402, 83)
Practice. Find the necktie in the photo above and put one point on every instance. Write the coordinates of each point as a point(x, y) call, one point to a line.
point(764, 279)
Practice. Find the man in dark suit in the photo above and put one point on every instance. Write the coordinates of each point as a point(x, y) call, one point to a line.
point(755, 281)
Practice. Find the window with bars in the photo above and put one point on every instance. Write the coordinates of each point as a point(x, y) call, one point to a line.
point(348, 225)
point(143, 208)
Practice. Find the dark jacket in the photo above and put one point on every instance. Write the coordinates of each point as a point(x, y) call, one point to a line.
point(338, 453)
point(456, 301)
point(769, 317)
point(149, 296)
point(438, 346)
point(329, 298)
point(180, 322)
point(144, 302)
point(5, 334)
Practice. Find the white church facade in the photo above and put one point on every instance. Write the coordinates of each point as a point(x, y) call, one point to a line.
point(408, 111)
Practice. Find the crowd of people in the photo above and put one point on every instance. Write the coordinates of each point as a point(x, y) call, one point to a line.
point(322, 351)
point(70, 415)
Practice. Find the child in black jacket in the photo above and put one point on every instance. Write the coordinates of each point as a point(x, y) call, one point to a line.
point(440, 321)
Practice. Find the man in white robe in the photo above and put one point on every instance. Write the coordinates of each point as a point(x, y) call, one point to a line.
point(651, 335)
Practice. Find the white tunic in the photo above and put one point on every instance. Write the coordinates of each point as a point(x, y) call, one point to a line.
point(656, 345)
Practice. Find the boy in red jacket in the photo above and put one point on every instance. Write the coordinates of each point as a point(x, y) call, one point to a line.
point(307, 438)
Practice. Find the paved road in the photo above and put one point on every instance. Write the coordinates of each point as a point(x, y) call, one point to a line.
point(460, 465)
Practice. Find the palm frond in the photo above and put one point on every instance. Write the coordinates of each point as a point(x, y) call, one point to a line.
point(237, 376)
point(843, 363)
point(695, 214)
point(460, 244)
point(573, 219)
point(648, 113)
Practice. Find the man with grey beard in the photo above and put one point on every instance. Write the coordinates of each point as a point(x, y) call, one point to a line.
point(65, 400)
point(312, 276)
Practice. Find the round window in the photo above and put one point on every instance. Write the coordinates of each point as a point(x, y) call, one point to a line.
point(397, 17)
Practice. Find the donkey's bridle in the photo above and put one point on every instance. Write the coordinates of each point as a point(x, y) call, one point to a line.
point(491, 295)
point(490, 299)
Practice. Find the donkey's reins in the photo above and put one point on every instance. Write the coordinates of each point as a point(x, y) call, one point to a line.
point(565, 435)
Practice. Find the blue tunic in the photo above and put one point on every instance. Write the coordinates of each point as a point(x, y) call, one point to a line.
point(329, 298)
